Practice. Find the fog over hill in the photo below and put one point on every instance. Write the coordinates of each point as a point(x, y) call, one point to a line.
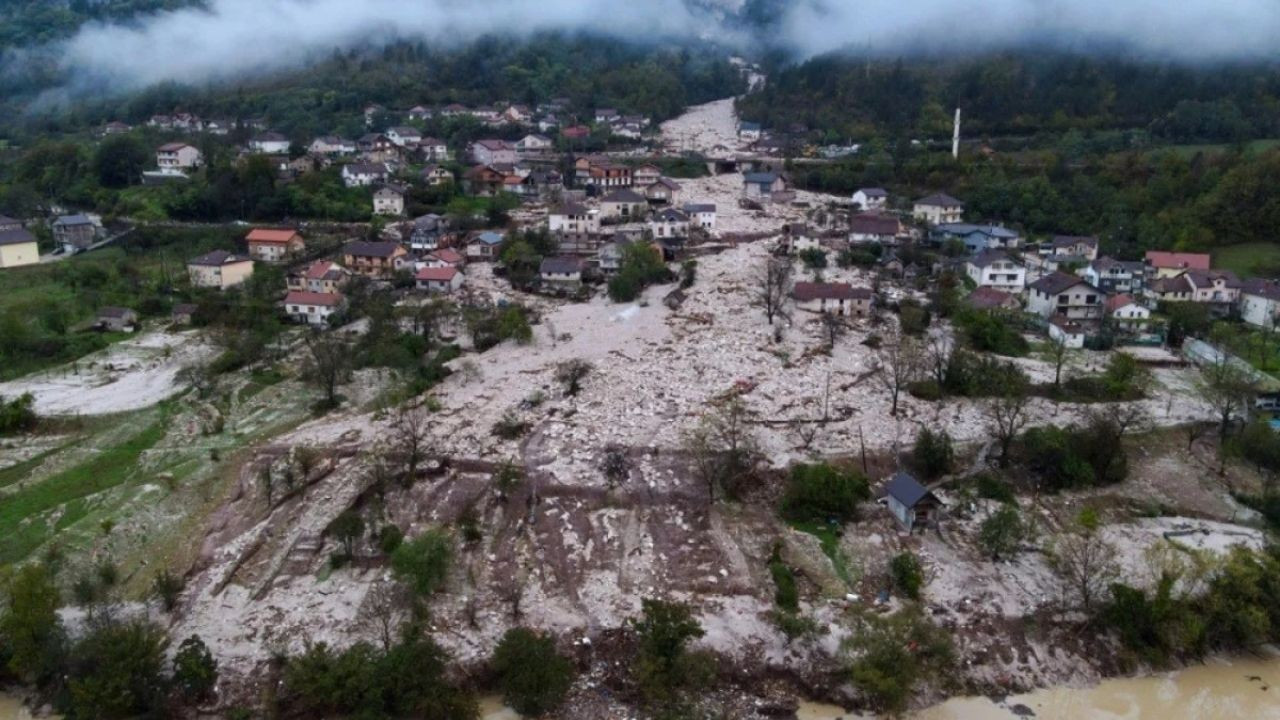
point(234, 37)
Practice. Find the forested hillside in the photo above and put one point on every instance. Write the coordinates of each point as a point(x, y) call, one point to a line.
point(34, 22)
point(847, 97)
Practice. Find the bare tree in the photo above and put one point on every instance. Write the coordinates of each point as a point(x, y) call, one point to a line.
point(1086, 564)
point(328, 365)
point(412, 434)
point(938, 352)
point(384, 610)
point(833, 327)
point(1007, 414)
point(1226, 389)
point(199, 378)
point(570, 373)
point(806, 432)
point(1057, 352)
point(723, 448)
point(900, 362)
point(773, 289)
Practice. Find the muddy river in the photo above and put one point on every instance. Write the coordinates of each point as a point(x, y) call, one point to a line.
point(1219, 690)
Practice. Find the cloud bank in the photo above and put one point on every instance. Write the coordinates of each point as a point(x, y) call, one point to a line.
point(236, 37)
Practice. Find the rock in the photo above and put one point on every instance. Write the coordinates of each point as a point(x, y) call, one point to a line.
point(1022, 711)
point(784, 708)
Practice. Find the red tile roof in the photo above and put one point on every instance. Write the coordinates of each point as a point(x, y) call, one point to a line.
point(271, 237)
point(436, 274)
point(805, 291)
point(299, 297)
point(449, 255)
point(1177, 260)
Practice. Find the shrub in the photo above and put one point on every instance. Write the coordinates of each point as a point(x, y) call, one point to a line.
point(928, 390)
point(913, 317)
point(18, 415)
point(423, 562)
point(664, 666)
point(907, 574)
point(390, 538)
point(813, 258)
point(894, 654)
point(932, 452)
point(822, 493)
point(510, 427)
point(116, 671)
point(987, 332)
point(1076, 457)
point(533, 677)
point(969, 374)
point(785, 593)
point(167, 587)
point(991, 487)
point(195, 672)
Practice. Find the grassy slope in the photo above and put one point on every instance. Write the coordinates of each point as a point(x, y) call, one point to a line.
point(1248, 259)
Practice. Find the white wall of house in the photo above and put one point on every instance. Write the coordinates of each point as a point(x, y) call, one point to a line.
point(1074, 341)
point(1259, 311)
point(1002, 275)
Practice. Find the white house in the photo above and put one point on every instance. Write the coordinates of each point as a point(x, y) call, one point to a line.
point(404, 136)
point(1260, 303)
point(269, 143)
point(389, 200)
point(701, 214)
point(178, 156)
point(993, 268)
point(669, 223)
point(534, 143)
point(493, 152)
point(748, 131)
point(363, 174)
point(1063, 295)
point(762, 185)
point(484, 246)
point(870, 198)
point(561, 271)
point(1068, 332)
point(646, 174)
point(331, 145)
point(1214, 287)
point(874, 228)
point(1128, 313)
point(312, 308)
point(938, 209)
point(1115, 276)
point(623, 203)
point(435, 149)
point(435, 175)
point(574, 219)
point(835, 298)
point(443, 280)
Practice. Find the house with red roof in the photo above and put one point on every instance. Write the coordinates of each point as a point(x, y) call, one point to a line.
point(1161, 264)
point(274, 245)
point(321, 276)
point(312, 308)
point(835, 298)
point(441, 280)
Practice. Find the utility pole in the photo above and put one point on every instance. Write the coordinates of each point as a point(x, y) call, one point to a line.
point(955, 138)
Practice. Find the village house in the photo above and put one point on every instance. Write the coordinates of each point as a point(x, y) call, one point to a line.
point(364, 174)
point(574, 219)
point(312, 308)
point(748, 131)
point(445, 257)
point(439, 280)
point(575, 132)
point(454, 110)
point(220, 128)
point(321, 276)
point(427, 231)
point(1169, 289)
point(492, 152)
point(661, 191)
point(418, 113)
point(702, 215)
point(624, 204)
point(484, 181)
point(874, 228)
point(799, 237)
point(433, 150)
point(183, 313)
point(115, 127)
point(606, 115)
point(219, 270)
point(870, 198)
point(989, 299)
point(835, 298)
point(1082, 246)
point(609, 256)
point(274, 245)
point(178, 156)
point(1070, 333)
point(1161, 264)
point(18, 247)
point(269, 143)
point(371, 113)
point(389, 199)
point(646, 174)
point(561, 272)
point(938, 209)
point(517, 114)
point(762, 185)
point(331, 146)
point(977, 238)
point(534, 144)
point(1128, 314)
point(435, 175)
point(1069, 296)
point(116, 319)
point(485, 246)
point(404, 136)
point(376, 143)
point(1115, 276)
point(374, 259)
point(994, 268)
point(1260, 303)
point(74, 233)
point(911, 503)
point(669, 223)
point(1217, 288)
point(601, 173)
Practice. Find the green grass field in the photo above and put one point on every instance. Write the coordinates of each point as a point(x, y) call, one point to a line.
point(1253, 146)
point(1249, 259)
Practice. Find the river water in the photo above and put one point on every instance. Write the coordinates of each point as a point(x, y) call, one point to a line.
point(1243, 689)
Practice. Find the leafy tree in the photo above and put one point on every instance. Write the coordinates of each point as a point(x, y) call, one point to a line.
point(119, 161)
point(1001, 534)
point(117, 671)
point(907, 574)
point(640, 267)
point(823, 493)
point(195, 672)
point(534, 678)
point(424, 561)
point(29, 624)
point(167, 587)
point(347, 528)
point(932, 452)
point(664, 667)
point(786, 594)
point(892, 655)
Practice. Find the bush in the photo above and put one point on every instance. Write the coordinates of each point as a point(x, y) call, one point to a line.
point(988, 332)
point(932, 453)
point(823, 493)
point(990, 487)
point(1076, 457)
point(116, 671)
point(167, 587)
point(907, 574)
point(968, 374)
point(390, 538)
point(928, 390)
point(786, 595)
point(18, 415)
point(510, 427)
point(533, 677)
point(664, 667)
point(195, 672)
point(1002, 533)
point(814, 258)
point(913, 317)
point(896, 653)
point(423, 562)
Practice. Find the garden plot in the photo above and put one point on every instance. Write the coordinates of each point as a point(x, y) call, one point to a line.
point(129, 375)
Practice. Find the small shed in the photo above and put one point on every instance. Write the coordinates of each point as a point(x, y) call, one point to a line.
point(117, 318)
point(183, 312)
point(910, 502)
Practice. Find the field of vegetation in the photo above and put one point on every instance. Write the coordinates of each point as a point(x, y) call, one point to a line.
point(1255, 259)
